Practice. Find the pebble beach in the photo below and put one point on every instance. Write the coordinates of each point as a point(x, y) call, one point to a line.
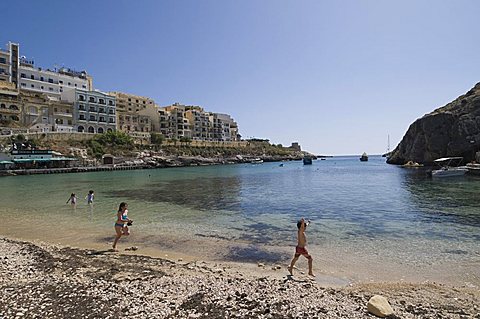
point(40, 280)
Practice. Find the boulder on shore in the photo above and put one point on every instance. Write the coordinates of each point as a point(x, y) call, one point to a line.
point(379, 306)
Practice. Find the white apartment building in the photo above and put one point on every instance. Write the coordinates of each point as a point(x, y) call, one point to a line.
point(21, 71)
point(93, 111)
point(224, 128)
point(52, 82)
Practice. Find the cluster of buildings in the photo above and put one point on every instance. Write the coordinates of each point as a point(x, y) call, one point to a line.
point(33, 99)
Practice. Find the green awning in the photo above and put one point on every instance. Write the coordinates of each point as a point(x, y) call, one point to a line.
point(6, 162)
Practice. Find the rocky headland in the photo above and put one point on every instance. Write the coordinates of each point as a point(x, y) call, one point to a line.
point(451, 130)
point(47, 281)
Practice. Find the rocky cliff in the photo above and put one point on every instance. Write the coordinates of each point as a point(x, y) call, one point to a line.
point(452, 130)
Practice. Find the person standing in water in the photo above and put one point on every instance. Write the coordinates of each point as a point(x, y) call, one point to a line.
point(72, 199)
point(300, 249)
point(90, 197)
point(121, 225)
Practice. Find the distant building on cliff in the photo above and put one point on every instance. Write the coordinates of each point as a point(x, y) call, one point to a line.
point(136, 114)
point(93, 111)
point(33, 99)
point(22, 72)
point(192, 121)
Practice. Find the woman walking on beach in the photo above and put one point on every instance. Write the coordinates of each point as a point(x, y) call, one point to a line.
point(122, 223)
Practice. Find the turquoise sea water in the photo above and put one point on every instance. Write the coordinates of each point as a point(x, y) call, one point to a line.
point(369, 219)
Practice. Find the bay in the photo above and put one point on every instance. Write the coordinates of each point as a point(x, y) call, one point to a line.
point(370, 220)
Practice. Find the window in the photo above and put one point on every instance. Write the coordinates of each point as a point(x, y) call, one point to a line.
point(75, 84)
point(100, 130)
point(23, 84)
point(2, 106)
point(50, 80)
point(91, 99)
point(3, 60)
point(41, 78)
point(55, 110)
point(69, 122)
point(32, 85)
point(32, 77)
point(81, 117)
point(60, 81)
point(84, 86)
point(50, 89)
point(81, 129)
point(92, 118)
point(81, 98)
point(91, 130)
point(23, 75)
point(69, 83)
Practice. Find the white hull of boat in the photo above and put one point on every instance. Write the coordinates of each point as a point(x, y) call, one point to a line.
point(450, 171)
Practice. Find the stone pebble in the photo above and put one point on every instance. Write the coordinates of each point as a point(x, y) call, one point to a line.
point(44, 281)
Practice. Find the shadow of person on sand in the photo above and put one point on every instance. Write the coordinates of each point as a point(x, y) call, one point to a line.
point(291, 278)
point(99, 252)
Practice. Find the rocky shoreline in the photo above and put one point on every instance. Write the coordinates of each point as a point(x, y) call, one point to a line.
point(47, 281)
point(149, 160)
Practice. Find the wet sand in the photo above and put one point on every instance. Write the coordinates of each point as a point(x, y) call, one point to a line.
point(49, 281)
point(334, 267)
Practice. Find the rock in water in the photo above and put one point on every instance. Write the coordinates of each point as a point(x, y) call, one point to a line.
point(379, 306)
point(452, 130)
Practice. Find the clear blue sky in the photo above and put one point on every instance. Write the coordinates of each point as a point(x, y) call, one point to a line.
point(336, 76)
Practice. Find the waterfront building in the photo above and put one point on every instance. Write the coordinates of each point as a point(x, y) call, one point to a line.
point(93, 111)
point(9, 63)
point(191, 121)
point(23, 73)
point(136, 115)
point(199, 123)
point(223, 128)
point(34, 112)
point(176, 124)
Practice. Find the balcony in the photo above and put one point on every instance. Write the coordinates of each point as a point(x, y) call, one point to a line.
point(62, 114)
point(9, 111)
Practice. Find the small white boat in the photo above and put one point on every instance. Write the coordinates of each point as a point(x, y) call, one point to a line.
point(256, 161)
point(449, 166)
point(473, 168)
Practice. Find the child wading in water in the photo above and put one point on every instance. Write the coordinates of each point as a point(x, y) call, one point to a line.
point(300, 249)
point(90, 197)
point(121, 225)
point(72, 199)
